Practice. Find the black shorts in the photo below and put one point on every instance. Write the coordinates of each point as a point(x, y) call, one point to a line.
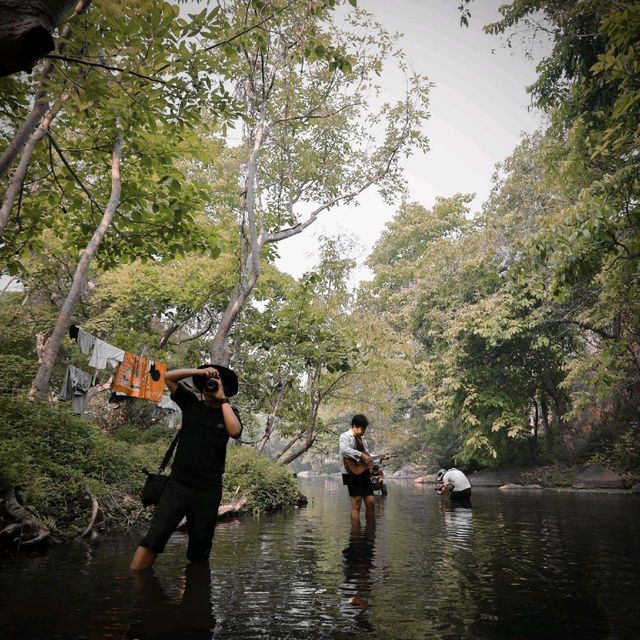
point(200, 506)
point(358, 485)
point(461, 496)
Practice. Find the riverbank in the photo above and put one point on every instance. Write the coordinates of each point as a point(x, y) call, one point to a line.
point(63, 478)
point(556, 476)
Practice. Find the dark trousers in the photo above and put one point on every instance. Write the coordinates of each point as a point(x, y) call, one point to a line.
point(461, 497)
point(200, 506)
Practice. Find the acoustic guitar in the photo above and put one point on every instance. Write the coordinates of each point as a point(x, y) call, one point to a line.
point(358, 467)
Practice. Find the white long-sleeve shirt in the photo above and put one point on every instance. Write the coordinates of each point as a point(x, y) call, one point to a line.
point(348, 446)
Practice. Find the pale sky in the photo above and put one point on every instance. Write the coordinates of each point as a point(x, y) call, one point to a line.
point(478, 111)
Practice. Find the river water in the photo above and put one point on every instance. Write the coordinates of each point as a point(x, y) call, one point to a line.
point(527, 565)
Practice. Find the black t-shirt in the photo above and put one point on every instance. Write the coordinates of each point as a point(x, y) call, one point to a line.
point(202, 447)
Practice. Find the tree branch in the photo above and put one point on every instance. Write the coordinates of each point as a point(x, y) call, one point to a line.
point(101, 65)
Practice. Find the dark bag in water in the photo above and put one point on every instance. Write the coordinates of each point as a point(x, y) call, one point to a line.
point(153, 487)
point(156, 482)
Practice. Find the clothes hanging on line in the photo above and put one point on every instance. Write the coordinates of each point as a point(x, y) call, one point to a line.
point(85, 340)
point(104, 354)
point(138, 377)
point(74, 388)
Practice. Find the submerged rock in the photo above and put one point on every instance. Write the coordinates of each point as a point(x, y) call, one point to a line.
point(514, 486)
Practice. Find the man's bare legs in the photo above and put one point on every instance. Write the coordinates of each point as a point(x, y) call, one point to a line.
point(369, 504)
point(356, 501)
point(143, 558)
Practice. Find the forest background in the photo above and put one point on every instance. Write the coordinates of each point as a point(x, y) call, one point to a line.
point(501, 337)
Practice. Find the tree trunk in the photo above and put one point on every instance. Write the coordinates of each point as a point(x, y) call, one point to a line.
point(15, 185)
point(310, 437)
point(26, 28)
point(548, 435)
point(272, 418)
point(40, 384)
point(308, 443)
point(40, 103)
point(219, 349)
point(536, 424)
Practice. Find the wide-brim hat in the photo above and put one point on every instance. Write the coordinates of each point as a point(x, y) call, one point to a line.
point(228, 377)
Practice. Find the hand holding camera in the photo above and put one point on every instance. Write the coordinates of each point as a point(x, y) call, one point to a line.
point(213, 384)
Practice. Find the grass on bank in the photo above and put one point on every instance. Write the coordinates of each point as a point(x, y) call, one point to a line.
point(55, 460)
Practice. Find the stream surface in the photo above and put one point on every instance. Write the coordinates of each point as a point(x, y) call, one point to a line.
point(517, 565)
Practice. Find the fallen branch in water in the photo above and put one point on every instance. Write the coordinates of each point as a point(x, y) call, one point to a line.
point(234, 506)
point(29, 530)
point(95, 509)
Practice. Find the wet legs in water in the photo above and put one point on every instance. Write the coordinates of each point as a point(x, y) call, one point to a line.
point(157, 614)
point(369, 504)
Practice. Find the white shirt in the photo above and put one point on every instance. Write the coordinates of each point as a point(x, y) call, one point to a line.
point(456, 479)
point(348, 446)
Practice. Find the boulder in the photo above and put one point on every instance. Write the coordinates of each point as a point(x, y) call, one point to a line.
point(597, 477)
point(636, 488)
point(428, 479)
point(494, 478)
point(408, 471)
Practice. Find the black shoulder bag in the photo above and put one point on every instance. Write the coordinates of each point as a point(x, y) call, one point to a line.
point(155, 483)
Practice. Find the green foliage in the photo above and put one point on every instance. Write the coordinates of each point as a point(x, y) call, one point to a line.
point(155, 94)
point(266, 484)
point(54, 458)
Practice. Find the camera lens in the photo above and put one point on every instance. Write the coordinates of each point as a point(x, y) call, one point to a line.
point(211, 385)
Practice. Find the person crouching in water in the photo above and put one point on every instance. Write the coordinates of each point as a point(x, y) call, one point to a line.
point(194, 488)
point(454, 482)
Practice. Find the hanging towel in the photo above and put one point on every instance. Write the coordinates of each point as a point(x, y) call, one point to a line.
point(104, 353)
point(140, 378)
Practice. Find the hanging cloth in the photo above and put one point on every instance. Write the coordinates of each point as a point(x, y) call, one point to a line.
point(104, 354)
point(85, 340)
point(74, 388)
point(140, 378)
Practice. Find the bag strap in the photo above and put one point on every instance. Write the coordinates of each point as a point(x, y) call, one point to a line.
point(169, 454)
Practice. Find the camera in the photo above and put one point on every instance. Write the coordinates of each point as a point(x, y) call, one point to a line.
point(211, 385)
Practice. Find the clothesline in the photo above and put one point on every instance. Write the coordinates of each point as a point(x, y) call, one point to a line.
point(134, 376)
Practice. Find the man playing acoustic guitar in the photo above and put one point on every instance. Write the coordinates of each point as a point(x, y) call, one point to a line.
point(358, 462)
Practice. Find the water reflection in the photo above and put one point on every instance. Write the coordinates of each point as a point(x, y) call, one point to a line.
point(160, 615)
point(357, 565)
point(457, 518)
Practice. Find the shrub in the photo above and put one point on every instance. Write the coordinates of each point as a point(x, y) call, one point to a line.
point(266, 483)
point(55, 459)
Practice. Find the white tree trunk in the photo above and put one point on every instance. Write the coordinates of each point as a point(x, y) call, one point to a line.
point(40, 384)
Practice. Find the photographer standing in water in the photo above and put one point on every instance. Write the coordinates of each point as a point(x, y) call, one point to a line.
point(194, 488)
